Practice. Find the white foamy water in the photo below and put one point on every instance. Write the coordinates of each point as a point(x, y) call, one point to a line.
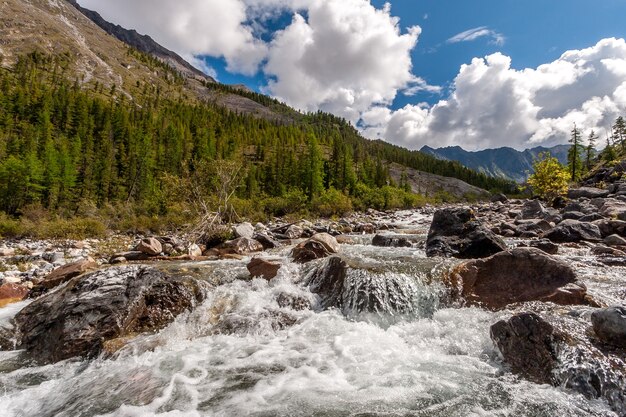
point(241, 354)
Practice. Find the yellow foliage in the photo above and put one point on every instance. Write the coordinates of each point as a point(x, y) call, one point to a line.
point(550, 178)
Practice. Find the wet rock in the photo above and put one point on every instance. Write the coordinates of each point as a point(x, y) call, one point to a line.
point(150, 246)
point(266, 320)
point(243, 230)
point(12, 293)
point(263, 268)
point(614, 240)
point(294, 302)
point(545, 245)
point(318, 246)
point(574, 231)
point(587, 192)
point(63, 274)
point(518, 275)
point(240, 246)
point(395, 241)
point(532, 226)
point(533, 209)
point(327, 281)
point(554, 347)
point(610, 325)
point(365, 228)
point(78, 319)
point(457, 233)
point(266, 240)
point(526, 342)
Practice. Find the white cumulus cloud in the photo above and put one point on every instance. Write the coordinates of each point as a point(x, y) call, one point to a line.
point(493, 104)
point(344, 57)
point(191, 27)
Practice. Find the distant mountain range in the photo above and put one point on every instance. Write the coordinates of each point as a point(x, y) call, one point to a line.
point(501, 162)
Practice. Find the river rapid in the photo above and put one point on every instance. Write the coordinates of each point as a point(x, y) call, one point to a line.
point(241, 354)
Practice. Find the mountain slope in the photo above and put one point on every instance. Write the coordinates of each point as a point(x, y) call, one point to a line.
point(90, 119)
point(143, 43)
point(500, 162)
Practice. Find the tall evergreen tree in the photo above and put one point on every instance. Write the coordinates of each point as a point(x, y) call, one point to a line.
point(574, 158)
point(590, 149)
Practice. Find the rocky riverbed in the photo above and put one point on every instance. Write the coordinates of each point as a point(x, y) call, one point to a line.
point(508, 307)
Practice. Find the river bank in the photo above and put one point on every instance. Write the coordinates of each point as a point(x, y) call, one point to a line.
point(395, 338)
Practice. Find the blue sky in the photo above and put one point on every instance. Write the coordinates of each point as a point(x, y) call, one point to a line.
point(471, 73)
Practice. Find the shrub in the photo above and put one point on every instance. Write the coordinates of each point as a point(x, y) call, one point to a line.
point(332, 202)
point(550, 178)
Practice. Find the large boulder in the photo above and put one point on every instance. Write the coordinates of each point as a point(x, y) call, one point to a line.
point(527, 344)
point(587, 192)
point(455, 232)
point(574, 231)
point(150, 246)
point(518, 275)
point(555, 348)
point(317, 246)
point(328, 280)
point(63, 274)
point(77, 319)
point(610, 325)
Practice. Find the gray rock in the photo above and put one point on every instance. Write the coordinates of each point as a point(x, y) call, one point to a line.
point(389, 241)
point(610, 325)
point(457, 233)
point(533, 209)
point(545, 245)
point(294, 232)
point(574, 231)
point(615, 240)
point(526, 342)
point(78, 319)
point(194, 250)
point(243, 230)
point(610, 227)
point(587, 192)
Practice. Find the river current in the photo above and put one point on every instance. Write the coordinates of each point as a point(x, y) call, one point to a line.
point(241, 354)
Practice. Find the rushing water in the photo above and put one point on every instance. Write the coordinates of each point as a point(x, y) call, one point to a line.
point(241, 354)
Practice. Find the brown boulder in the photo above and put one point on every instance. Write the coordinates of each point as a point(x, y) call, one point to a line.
point(150, 246)
point(518, 275)
point(318, 246)
point(12, 293)
point(66, 272)
point(263, 268)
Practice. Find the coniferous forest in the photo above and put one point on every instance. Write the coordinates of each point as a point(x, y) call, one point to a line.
point(64, 144)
